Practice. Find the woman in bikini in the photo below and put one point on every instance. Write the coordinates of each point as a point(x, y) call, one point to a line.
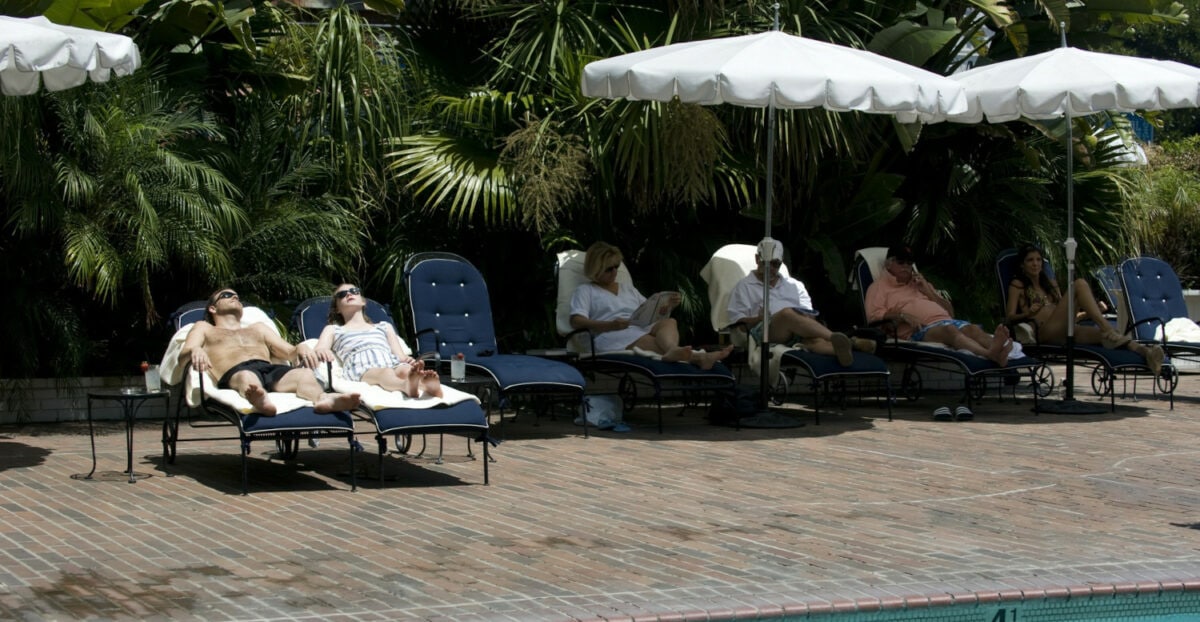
point(371, 352)
point(1033, 297)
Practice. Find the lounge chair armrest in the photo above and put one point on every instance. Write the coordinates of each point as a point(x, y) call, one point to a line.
point(434, 355)
point(888, 326)
point(590, 334)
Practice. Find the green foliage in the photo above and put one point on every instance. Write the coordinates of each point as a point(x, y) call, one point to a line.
point(1167, 200)
point(281, 151)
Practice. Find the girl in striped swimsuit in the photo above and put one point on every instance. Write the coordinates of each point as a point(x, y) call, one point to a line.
point(371, 352)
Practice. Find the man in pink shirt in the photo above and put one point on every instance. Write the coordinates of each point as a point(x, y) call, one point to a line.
point(920, 313)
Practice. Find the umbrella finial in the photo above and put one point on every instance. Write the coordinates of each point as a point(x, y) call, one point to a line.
point(1062, 31)
point(775, 23)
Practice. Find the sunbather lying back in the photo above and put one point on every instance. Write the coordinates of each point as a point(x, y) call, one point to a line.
point(240, 356)
point(370, 351)
point(1034, 297)
point(921, 313)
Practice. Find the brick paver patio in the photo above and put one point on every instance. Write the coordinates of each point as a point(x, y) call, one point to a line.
point(699, 522)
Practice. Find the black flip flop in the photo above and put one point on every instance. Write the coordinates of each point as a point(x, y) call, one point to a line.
point(962, 413)
point(942, 413)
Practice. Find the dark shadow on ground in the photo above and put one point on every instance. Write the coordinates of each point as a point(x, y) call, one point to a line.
point(691, 423)
point(312, 470)
point(1015, 413)
point(406, 471)
point(14, 455)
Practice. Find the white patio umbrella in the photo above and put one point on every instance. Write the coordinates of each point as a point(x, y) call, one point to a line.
point(1073, 83)
point(35, 51)
point(775, 70)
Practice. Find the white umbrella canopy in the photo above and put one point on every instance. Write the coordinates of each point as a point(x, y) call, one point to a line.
point(1068, 82)
point(35, 51)
point(775, 69)
point(1071, 82)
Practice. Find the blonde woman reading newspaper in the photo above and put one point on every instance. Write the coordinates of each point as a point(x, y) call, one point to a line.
point(604, 307)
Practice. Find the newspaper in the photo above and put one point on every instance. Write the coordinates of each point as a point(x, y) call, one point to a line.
point(655, 308)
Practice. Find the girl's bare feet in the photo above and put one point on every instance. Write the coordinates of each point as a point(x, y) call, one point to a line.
point(430, 383)
point(259, 400)
point(413, 378)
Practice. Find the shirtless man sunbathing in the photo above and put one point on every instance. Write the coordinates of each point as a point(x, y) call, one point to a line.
point(241, 357)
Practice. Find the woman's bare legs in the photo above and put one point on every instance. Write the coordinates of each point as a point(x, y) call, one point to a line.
point(1085, 300)
point(393, 379)
point(663, 338)
point(1055, 329)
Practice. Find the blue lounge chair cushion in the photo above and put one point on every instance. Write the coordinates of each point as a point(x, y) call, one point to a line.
point(463, 416)
point(301, 420)
point(825, 365)
point(663, 370)
point(1152, 290)
point(517, 370)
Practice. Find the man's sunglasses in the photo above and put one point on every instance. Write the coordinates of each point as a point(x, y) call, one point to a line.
point(353, 291)
point(226, 295)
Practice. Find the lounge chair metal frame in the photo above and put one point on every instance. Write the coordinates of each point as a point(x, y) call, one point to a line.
point(286, 429)
point(660, 379)
point(1106, 363)
point(448, 328)
point(463, 419)
point(977, 372)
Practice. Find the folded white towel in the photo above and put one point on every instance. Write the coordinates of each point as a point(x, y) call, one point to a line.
point(1179, 329)
point(874, 256)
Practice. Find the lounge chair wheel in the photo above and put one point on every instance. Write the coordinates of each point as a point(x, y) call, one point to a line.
point(288, 445)
point(910, 384)
point(780, 390)
point(1168, 380)
point(627, 389)
point(1102, 381)
point(168, 441)
point(977, 386)
point(1042, 380)
point(403, 443)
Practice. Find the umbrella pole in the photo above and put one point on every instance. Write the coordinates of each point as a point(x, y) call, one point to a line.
point(1069, 405)
point(764, 418)
point(766, 250)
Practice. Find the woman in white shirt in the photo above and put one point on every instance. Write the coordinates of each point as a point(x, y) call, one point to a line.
point(604, 305)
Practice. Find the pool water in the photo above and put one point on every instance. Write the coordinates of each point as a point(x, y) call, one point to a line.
point(1173, 606)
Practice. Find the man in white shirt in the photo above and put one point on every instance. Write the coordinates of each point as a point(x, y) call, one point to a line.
point(791, 312)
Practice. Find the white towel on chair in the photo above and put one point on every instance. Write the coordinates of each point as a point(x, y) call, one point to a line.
point(874, 257)
point(1179, 329)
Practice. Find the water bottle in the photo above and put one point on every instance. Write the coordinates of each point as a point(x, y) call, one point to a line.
point(458, 368)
